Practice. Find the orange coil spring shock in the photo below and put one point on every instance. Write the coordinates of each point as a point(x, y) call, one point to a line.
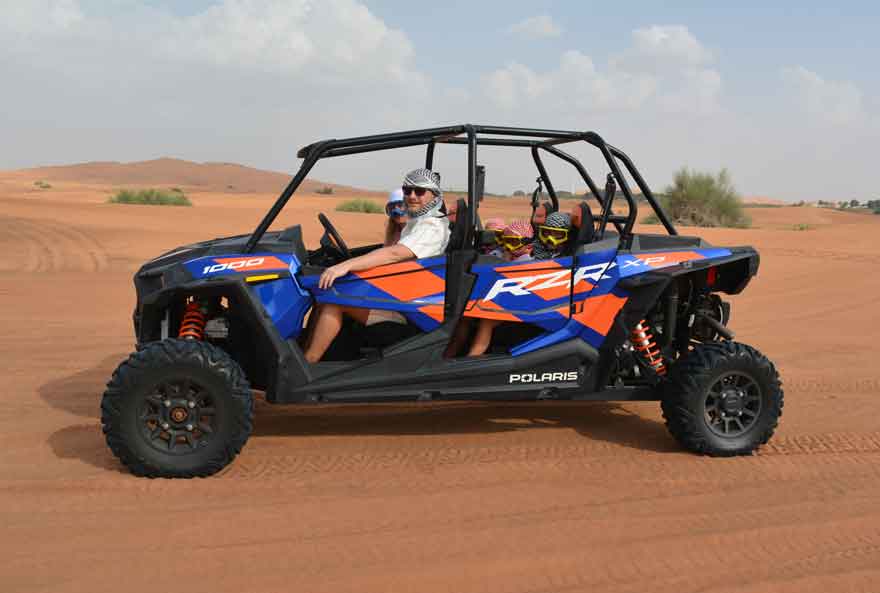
point(193, 325)
point(643, 341)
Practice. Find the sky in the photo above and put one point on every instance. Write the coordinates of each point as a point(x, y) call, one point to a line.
point(783, 94)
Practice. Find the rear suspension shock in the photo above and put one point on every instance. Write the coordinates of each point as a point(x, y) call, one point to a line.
point(643, 341)
point(194, 320)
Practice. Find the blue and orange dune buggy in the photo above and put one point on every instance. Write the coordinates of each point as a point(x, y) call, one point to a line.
point(624, 316)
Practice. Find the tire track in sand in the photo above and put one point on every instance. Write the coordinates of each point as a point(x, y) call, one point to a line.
point(858, 449)
point(48, 246)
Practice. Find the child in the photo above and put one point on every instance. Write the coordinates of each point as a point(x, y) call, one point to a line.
point(552, 236)
point(491, 245)
point(395, 209)
point(516, 239)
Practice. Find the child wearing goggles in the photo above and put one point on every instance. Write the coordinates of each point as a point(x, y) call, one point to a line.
point(516, 241)
point(491, 233)
point(395, 208)
point(553, 236)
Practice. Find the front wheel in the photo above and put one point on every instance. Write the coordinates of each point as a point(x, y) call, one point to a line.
point(723, 399)
point(177, 409)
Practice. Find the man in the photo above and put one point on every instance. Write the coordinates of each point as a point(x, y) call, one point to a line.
point(426, 234)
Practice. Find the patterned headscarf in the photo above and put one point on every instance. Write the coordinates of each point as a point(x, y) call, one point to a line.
point(556, 220)
point(520, 228)
point(494, 224)
point(425, 178)
point(429, 180)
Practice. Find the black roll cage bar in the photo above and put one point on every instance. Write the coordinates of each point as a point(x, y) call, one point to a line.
point(537, 140)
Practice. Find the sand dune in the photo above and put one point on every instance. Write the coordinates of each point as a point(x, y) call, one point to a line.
point(423, 498)
point(222, 177)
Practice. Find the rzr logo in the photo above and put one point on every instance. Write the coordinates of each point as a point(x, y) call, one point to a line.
point(238, 264)
point(525, 285)
point(543, 377)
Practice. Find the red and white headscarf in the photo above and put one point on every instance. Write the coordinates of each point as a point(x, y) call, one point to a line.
point(519, 228)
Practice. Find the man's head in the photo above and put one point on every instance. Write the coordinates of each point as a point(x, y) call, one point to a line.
point(420, 187)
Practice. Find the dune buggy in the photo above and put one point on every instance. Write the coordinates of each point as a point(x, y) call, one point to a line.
point(625, 316)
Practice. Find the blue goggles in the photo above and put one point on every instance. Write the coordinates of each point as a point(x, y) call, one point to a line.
point(395, 209)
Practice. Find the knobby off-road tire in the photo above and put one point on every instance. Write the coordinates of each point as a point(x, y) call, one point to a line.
point(723, 399)
point(177, 409)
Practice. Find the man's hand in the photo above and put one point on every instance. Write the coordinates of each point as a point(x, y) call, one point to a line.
point(329, 276)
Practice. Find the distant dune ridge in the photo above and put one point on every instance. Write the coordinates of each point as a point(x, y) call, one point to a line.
point(215, 177)
point(209, 177)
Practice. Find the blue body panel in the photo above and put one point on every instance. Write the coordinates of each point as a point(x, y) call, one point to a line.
point(283, 299)
point(414, 288)
point(569, 298)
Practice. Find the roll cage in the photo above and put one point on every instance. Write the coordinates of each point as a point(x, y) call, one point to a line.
point(538, 141)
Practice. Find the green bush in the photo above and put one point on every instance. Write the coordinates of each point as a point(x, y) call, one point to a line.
point(801, 227)
point(42, 184)
point(153, 197)
point(360, 205)
point(325, 191)
point(703, 199)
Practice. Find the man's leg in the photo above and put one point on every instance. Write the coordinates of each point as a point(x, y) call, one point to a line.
point(327, 326)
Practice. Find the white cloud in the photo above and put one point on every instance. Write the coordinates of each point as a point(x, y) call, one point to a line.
point(252, 80)
point(827, 101)
point(666, 65)
point(663, 46)
point(35, 16)
point(93, 80)
point(536, 27)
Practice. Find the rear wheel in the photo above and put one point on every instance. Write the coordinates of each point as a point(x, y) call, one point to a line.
point(177, 409)
point(723, 399)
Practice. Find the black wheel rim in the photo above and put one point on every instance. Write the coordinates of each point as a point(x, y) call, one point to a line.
point(733, 404)
point(178, 417)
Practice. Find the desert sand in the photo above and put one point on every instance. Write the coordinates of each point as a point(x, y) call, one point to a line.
point(428, 497)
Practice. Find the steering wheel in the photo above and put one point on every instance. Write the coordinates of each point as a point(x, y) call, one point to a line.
point(330, 231)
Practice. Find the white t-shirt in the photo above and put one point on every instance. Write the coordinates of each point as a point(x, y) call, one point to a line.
point(426, 236)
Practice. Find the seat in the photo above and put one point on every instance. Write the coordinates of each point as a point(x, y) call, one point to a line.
point(583, 223)
point(539, 216)
point(452, 212)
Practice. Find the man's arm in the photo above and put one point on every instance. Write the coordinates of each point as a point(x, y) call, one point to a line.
point(373, 259)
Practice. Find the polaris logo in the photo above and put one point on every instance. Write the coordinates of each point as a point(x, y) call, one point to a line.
point(543, 377)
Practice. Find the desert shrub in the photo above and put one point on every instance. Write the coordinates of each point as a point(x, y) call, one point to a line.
point(42, 184)
point(325, 191)
point(761, 205)
point(801, 227)
point(518, 193)
point(703, 199)
point(153, 197)
point(360, 205)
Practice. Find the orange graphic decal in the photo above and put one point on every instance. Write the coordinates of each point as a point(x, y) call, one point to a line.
point(598, 313)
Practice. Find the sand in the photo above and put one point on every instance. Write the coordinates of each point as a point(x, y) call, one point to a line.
point(430, 497)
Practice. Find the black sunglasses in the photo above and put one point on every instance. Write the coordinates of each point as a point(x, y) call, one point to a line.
point(418, 191)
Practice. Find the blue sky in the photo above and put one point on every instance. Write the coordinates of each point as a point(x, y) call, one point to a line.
point(783, 94)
